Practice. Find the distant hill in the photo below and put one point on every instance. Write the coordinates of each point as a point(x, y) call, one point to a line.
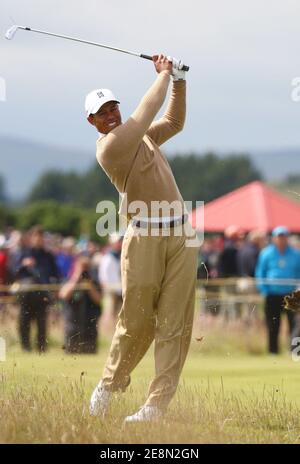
point(22, 161)
point(275, 165)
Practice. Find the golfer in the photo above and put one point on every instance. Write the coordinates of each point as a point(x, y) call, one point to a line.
point(158, 268)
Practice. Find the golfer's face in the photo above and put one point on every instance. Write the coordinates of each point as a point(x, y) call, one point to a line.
point(107, 118)
point(281, 241)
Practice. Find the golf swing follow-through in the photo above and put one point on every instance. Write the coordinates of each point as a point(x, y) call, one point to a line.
point(158, 268)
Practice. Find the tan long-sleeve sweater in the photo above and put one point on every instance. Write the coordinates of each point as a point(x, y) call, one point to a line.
point(130, 153)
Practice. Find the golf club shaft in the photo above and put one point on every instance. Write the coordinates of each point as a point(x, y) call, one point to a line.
point(141, 55)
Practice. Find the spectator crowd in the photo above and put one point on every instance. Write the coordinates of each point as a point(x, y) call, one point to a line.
point(274, 263)
point(41, 268)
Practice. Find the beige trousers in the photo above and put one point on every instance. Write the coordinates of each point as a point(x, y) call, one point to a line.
point(158, 280)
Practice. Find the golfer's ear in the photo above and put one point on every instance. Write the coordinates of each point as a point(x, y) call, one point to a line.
point(90, 119)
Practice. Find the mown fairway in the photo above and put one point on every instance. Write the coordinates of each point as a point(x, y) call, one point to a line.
point(223, 398)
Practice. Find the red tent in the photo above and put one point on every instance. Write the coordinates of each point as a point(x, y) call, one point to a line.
point(254, 206)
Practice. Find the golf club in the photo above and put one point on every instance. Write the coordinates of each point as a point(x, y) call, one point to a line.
point(12, 31)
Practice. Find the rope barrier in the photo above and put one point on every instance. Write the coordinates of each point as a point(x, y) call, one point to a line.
point(223, 282)
point(251, 280)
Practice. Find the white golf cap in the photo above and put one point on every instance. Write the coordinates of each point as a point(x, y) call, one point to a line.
point(97, 98)
point(114, 237)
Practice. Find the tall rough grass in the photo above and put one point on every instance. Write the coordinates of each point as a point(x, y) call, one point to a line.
point(44, 399)
point(57, 412)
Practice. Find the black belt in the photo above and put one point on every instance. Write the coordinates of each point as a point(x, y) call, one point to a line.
point(162, 224)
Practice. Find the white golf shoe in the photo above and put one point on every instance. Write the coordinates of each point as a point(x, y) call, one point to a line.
point(100, 400)
point(145, 414)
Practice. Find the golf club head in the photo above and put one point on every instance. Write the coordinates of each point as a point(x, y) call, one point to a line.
point(10, 33)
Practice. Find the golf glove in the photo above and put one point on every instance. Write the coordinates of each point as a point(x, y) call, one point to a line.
point(177, 73)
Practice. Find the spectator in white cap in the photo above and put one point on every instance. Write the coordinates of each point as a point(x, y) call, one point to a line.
point(110, 279)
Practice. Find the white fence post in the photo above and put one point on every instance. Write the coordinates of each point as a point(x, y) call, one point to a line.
point(2, 349)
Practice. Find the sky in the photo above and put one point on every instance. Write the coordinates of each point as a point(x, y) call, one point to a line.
point(243, 55)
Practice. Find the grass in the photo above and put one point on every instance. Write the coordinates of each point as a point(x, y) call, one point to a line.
point(231, 391)
point(236, 398)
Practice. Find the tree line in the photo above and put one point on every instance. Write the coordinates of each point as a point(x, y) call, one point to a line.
point(198, 178)
point(65, 202)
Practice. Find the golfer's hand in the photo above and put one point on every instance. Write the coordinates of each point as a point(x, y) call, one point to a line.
point(177, 73)
point(162, 63)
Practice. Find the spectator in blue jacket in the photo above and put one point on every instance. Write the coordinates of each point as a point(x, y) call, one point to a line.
point(277, 261)
point(65, 258)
